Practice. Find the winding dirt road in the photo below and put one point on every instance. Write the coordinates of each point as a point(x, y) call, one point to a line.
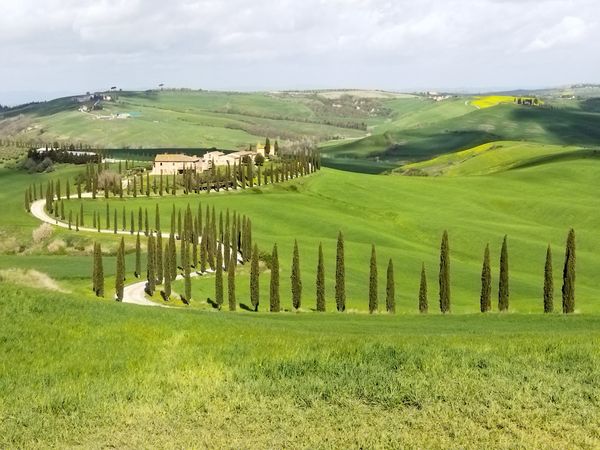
point(133, 293)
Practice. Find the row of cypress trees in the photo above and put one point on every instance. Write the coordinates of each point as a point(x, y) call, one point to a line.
point(162, 265)
point(240, 176)
point(568, 289)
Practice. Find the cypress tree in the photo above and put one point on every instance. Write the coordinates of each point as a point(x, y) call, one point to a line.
point(296, 280)
point(115, 225)
point(81, 215)
point(254, 275)
point(340, 275)
point(231, 285)
point(187, 276)
point(503, 291)
point(131, 223)
point(568, 288)
point(151, 266)
point(390, 291)
point(62, 210)
point(167, 269)
point(146, 222)
point(76, 223)
point(485, 299)
point(172, 257)
point(203, 253)
point(444, 278)
point(94, 220)
point(68, 187)
point(274, 286)
point(423, 304)
point(157, 218)
point(548, 283)
point(123, 219)
point(94, 268)
point(226, 247)
point(70, 219)
point(100, 273)
point(120, 276)
point(320, 281)
point(159, 258)
point(219, 278)
point(138, 257)
point(373, 282)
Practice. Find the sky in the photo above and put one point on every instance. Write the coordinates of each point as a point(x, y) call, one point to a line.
point(63, 47)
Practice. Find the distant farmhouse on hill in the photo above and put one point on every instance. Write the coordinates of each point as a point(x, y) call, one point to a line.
point(177, 163)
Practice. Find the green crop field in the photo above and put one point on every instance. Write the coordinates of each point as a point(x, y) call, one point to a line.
point(81, 371)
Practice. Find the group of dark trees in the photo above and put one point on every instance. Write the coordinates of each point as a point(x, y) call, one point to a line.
point(58, 155)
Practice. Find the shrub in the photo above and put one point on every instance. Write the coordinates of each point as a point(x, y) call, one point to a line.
point(41, 233)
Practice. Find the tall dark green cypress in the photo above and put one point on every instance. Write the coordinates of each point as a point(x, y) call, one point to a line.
point(390, 291)
point(274, 285)
point(295, 278)
point(167, 269)
point(548, 283)
point(187, 276)
point(320, 283)
point(99, 272)
point(172, 256)
point(159, 258)
point(151, 266)
point(138, 257)
point(568, 288)
point(423, 303)
point(120, 275)
point(503, 289)
point(231, 285)
point(219, 278)
point(95, 268)
point(485, 299)
point(373, 303)
point(254, 275)
point(340, 275)
point(444, 278)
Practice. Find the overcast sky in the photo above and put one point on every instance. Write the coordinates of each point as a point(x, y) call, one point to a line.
point(57, 47)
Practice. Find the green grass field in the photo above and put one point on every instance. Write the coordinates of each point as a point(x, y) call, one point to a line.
point(79, 373)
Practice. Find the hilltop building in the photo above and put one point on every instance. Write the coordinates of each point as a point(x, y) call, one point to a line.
point(169, 163)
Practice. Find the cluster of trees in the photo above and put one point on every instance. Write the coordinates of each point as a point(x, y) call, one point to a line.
point(207, 243)
point(59, 155)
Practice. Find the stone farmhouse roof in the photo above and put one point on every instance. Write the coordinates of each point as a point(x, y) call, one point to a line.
point(177, 158)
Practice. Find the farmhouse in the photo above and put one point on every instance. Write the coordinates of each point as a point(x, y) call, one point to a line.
point(169, 164)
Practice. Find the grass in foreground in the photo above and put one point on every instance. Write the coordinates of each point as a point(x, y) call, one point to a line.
point(91, 374)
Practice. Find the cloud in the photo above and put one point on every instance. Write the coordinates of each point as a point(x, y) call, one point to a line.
point(398, 44)
point(570, 30)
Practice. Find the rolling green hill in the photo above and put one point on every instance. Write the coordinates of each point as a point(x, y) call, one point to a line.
point(363, 131)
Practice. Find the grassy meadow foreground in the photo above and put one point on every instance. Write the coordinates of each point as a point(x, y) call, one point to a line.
point(79, 373)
